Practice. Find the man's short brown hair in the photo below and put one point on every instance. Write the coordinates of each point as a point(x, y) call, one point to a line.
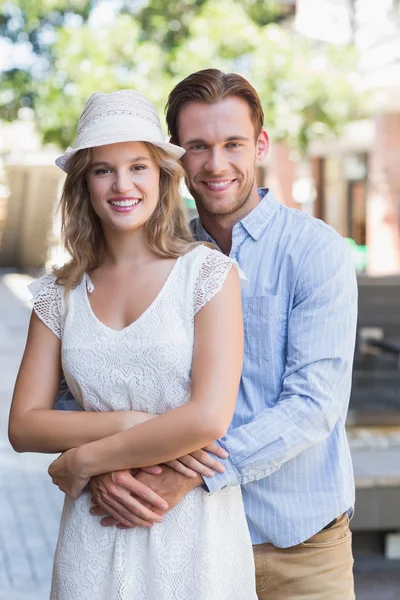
point(211, 86)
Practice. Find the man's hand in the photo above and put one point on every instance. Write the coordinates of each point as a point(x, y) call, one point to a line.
point(169, 485)
point(200, 462)
point(125, 498)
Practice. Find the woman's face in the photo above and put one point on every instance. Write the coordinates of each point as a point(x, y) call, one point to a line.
point(123, 182)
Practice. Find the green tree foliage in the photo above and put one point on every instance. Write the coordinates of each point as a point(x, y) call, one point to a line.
point(307, 89)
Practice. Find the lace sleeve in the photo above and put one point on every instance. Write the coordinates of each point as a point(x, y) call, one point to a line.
point(213, 271)
point(47, 302)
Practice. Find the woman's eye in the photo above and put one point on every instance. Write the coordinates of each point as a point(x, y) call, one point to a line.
point(139, 167)
point(101, 171)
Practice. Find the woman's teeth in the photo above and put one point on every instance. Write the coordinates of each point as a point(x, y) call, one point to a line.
point(124, 202)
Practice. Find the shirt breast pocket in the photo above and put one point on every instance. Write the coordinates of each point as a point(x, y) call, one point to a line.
point(265, 325)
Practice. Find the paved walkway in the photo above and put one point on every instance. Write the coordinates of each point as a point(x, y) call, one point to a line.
point(30, 506)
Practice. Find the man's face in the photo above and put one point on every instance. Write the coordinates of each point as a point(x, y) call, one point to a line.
point(221, 155)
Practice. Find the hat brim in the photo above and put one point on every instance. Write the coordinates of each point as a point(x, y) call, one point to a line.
point(63, 160)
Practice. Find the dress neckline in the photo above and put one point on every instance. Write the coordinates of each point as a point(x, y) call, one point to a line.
point(89, 288)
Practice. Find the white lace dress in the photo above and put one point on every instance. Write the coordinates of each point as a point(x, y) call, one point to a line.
point(202, 549)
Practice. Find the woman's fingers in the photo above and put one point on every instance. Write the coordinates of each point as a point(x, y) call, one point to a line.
point(197, 462)
point(178, 466)
point(208, 460)
point(216, 449)
point(203, 463)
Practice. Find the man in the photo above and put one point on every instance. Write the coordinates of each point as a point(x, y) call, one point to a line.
point(287, 443)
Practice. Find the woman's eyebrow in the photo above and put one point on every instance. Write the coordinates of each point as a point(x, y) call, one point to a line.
point(99, 163)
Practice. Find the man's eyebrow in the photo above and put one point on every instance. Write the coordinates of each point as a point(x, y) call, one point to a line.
point(99, 163)
point(231, 138)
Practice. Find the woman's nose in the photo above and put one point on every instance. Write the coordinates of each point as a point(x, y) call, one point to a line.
point(122, 182)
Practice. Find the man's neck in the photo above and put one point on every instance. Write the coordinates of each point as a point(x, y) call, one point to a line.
point(220, 227)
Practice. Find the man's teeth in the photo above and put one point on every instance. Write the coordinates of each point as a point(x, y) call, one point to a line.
point(124, 202)
point(218, 184)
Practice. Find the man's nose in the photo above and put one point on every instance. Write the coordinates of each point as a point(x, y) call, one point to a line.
point(122, 182)
point(216, 162)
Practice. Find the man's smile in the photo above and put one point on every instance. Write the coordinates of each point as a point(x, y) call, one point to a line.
point(220, 185)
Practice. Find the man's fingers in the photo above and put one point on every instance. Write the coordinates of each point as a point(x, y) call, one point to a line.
point(178, 466)
point(108, 521)
point(142, 492)
point(126, 506)
point(138, 523)
point(120, 485)
point(155, 470)
point(114, 511)
point(97, 511)
point(217, 450)
point(111, 522)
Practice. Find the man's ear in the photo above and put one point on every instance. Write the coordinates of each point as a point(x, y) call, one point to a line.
point(262, 146)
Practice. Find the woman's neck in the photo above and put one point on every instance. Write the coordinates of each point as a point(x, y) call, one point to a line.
point(124, 249)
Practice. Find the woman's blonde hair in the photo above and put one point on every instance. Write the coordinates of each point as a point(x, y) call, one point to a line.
point(168, 231)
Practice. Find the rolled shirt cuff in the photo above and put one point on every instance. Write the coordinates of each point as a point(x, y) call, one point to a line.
point(219, 481)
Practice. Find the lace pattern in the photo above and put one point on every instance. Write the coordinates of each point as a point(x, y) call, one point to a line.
point(202, 550)
point(47, 302)
point(211, 277)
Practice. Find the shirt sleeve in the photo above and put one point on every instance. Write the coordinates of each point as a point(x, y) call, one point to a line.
point(47, 302)
point(65, 400)
point(317, 378)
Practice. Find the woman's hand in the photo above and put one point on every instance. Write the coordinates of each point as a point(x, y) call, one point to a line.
point(66, 473)
point(200, 462)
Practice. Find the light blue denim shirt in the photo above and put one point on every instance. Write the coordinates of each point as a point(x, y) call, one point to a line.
point(287, 441)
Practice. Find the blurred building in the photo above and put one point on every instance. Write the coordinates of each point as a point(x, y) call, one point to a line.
point(357, 178)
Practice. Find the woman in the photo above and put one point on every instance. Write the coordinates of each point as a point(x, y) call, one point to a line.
point(146, 327)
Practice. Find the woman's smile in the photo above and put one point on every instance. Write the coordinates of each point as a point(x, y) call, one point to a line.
point(124, 204)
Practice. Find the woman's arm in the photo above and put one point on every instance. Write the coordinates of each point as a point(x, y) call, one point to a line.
point(216, 371)
point(34, 426)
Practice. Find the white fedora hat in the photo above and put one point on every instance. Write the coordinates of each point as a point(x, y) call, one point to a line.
point(122, 116)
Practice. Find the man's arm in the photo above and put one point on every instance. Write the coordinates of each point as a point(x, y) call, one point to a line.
point(65, 400)
point(317, 378)
point(316, 385)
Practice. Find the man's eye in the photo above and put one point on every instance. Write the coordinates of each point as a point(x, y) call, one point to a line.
point(234, 145)
point(198, 147)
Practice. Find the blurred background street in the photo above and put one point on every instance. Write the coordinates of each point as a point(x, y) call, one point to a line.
point(328, 74)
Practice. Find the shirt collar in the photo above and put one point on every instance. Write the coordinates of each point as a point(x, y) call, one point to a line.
point(254, 223)
point(257, 220)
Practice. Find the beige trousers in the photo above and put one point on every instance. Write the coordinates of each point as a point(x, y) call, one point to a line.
point(320, 568)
